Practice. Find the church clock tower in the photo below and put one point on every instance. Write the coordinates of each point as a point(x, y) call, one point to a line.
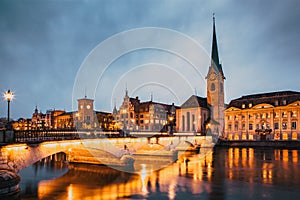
point(215, 89)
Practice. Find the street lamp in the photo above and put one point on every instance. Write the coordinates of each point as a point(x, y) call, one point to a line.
point(171, 118)
point(8, 95)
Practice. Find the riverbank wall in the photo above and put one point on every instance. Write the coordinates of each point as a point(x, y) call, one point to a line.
point(268, 144)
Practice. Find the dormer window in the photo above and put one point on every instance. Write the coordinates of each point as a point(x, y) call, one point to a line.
point(243, 105)
point(276, 103)
point(250, 105)
point(284, 102)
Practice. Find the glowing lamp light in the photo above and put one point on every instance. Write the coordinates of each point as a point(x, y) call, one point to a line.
point(8, 95)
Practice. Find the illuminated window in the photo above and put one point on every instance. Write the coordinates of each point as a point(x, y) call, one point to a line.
point(294, 136)
point(243, 106)
point(250, 105)
point(284, 114)
point(250, 137)
point(284, 125)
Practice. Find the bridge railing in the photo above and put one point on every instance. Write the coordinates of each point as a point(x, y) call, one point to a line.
point(35, 136)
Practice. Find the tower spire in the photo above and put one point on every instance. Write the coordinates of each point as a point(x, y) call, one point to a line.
point(126, 90)
point(214, 50)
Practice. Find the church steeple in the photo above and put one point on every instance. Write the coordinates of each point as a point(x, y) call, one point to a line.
point(215, 87)
point(214, 51)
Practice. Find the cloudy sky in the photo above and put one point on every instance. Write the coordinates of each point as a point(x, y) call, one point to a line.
point(45, 45)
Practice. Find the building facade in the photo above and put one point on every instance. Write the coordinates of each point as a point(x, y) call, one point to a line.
point(85, 118)
point(149, 116)
point(268, 116)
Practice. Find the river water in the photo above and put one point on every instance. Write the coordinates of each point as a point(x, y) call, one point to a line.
point(221, 173)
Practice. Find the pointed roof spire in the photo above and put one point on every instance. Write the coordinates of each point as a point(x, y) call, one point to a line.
point(115, 111)
point(126, 90)
point(214, 50)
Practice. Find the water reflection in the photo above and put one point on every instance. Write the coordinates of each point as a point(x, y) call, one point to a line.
point(233, 173)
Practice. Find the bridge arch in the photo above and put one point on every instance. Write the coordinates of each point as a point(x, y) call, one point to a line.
point(20, 156)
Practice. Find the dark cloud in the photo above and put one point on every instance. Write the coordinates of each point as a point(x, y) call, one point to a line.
point(43, 43)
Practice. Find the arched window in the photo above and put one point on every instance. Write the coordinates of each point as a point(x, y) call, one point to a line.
point(212, 87)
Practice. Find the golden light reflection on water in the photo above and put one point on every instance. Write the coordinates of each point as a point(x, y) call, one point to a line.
point(100, 182)
point(193, 173)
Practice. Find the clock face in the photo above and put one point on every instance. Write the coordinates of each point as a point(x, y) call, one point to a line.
point(212, 76)
point(88, 106)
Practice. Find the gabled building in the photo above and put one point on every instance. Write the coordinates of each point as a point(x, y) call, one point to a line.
point(193, 115)
point(149, 116)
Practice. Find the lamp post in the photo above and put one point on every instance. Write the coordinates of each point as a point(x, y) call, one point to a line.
point(171, 118)
point(8, 95)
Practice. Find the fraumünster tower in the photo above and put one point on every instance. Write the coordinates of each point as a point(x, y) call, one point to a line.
point(215, 88)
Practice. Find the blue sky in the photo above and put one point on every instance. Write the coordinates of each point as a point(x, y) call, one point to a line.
point(44, 43)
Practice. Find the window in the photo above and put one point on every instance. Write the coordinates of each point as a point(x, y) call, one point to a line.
point(212, 87)
point(284, 125)
point(243, 126)
point(188, 121)
point(229, 126)
point(284, 114)
point(276, 103)
point(294, 125)
point(276, 126)
point(193, 121)
point(250, 127)
point(284, 102)
point(243, 106)
point(141, 116)
point(142, 121)
point(183, 123)
point(257, 126)
point(293, 114)
point(243, 116)
point(236, 126)
point(250, 105)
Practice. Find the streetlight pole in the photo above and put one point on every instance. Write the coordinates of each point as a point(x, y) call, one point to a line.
point(8, 95)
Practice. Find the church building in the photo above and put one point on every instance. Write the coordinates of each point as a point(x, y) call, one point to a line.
point(205, 115)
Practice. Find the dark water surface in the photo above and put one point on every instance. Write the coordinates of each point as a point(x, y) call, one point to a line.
point(222, 173)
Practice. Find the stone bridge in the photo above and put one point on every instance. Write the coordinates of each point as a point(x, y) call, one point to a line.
point(108, 151)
